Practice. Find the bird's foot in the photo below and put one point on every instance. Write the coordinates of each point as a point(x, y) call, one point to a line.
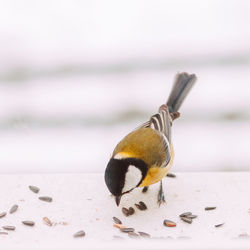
point(145, 189)
point(161, 197)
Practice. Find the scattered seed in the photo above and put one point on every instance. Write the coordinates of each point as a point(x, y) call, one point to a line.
point(45, 198)
point(125, 211)
point(192, 216)
point(169, 223)
point(34, 189)
point(28, 223)
point(2, 214)
point(9, 228)
point(47, 221)
point(116, 220)
point(145, 189)
point(210, 208)
point(219, 225)
point(188, 220)
point(13, 209)
point(127, 230)
point(133, 235)
point(120, 226)
point(79, 234)
point(131, 211)
point(171, 175)
point(3, 233)
point(185, 214)
point(141, 206)
point(144, 235)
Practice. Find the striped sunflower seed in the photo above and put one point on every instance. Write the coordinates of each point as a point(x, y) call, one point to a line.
point(210, 208)
point(12, 228)
point(144, 235)
point(2, 214)
point(28, 223)
point(169, 223)
point(125, 211)
point(133, 235)
point(127, 230)
point(116, 220)
point(185, 214)
point(188, 220)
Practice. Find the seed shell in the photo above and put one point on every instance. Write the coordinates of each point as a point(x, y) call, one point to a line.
point(192, 216)
point(143, 205)
point(13, 209)
point(120, 226)
point(116, 220)
point(145, 189)
point(185, 214)
point(12, 228)
point(28, 223)
point(210, 208)
point(131, 211)
point(171, 175)
point(125, 211)
point(79, 234)
point(169, 223)
point(45, 198)
point(219, 225)
point(34, 189)
point(127, 230)
point(144, 235)
point(2, 214)
point(47, 221)
point(188, 220)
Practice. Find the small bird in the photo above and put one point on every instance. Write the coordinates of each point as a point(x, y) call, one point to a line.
point(145, 155)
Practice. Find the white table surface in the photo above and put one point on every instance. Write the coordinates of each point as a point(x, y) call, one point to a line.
point(84, 203)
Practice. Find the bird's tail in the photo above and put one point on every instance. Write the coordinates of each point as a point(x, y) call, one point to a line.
point(182, 85)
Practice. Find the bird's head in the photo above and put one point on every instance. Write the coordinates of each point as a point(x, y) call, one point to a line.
point(123, 175)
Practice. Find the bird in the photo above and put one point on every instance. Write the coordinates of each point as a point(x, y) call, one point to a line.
point(145, 156)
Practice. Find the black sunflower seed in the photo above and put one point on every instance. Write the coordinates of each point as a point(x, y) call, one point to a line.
point(28, 223)
point(133, 235)
point(219, 225)
point(12, 228)
point(188, 220)
point(210, 208)
point(131, 211)
point(185, 214)
point(127, 230)
point(171, 175)
point(125, 211)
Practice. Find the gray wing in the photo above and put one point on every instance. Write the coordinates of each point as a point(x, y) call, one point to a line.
point(162, 123)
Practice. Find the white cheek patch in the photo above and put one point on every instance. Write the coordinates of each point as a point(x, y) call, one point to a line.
point(132, 178)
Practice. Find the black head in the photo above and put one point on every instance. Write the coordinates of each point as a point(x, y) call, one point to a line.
point(123, 175)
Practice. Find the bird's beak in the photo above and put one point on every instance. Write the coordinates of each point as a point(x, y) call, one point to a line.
point(117, 200)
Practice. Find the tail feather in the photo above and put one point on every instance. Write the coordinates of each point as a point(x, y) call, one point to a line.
point(182, 85)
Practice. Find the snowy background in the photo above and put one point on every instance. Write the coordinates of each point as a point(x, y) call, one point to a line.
point(77, 76)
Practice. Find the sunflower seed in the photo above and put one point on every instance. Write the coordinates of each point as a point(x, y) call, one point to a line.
point(141, 206)
point(188, 220)
point(116, 220)
point(133, 235)
point(169, 223)
point(45, 198)
point(145, 189)
point(2, 214)
point(171, 175)
point(9, 228)
point(125, 211)
point(47, 221)
point(120, 226)
point(185, 214)
point(144, 235)
point(192, 216)
point(79, 234)
point(219, 225)
point(210, 208)
point(28, 223)
point(3, 233)
point(13, 209)
point(127, 230)
point(131, 211)
point(34, 189)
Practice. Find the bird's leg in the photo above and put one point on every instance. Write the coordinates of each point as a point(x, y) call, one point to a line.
point(161, 198)
point(145, 189)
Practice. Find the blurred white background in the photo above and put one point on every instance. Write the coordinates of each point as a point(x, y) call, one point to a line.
point(77, 76)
